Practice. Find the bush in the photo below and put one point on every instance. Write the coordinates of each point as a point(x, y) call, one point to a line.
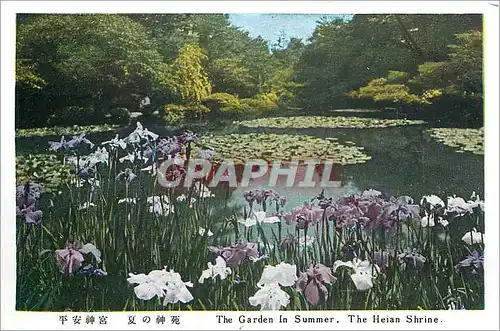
point(222, 103)
point(119, 115)
point(260, 104)
point(76, 115)
point(177, 114)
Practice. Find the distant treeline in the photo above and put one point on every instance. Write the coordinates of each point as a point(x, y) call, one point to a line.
point(98, 68)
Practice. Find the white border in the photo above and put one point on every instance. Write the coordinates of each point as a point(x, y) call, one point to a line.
point(458, 320)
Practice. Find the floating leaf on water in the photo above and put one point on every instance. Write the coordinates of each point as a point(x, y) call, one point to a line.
point(285, 147)
point(301, 122)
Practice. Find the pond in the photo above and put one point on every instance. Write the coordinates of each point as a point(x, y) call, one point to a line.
point(405, 160)
point(396, 160)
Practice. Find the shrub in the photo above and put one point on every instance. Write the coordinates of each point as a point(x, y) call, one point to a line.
point(118, 115)
point(222, 103)
point(76, 115)
point(177, 114)
point(260, 104)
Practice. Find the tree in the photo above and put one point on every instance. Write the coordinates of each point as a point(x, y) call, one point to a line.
point(344, 55)
point(190, 81)
point(99, 61)
point(453, 86)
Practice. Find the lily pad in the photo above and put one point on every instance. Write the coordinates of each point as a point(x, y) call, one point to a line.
point(45, 169)
point(302, 122)
point(270, 147)
point(61, 131)
point(465, 140)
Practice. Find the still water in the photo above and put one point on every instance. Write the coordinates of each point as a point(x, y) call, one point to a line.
point(405, 161)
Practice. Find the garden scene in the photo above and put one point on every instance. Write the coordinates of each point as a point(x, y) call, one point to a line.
point(394, 102)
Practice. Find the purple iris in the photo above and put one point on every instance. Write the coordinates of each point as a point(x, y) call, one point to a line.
point(236, 254)
point(312, 283)
point(372, 211)
point(169, 146)
point(305, 216)
point(187, 137)
point(26, 200)
point(412, 259)
point(30, 214)
point(259, 196)
point(475, 260)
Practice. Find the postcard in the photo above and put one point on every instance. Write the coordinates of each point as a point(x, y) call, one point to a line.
point(249, 165)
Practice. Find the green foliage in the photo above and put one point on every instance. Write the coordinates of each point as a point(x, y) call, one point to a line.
point(400, 77)
point(344, 55)
point(90, 60)
point(45, 169)
point(119, 115)
point(336, 122)
point(379, 90)
point(26, 75)
point(76, 115)
point(191, 83)
point(260, 104)
point(179, 114)
point(449, 89)
point(108, 61)
point(65, 131)
point(230, 75)
point(222, 103)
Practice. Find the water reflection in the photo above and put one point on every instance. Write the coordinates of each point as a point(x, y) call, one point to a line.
point(405, 161)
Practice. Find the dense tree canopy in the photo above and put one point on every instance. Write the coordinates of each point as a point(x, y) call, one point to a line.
point(96, 63)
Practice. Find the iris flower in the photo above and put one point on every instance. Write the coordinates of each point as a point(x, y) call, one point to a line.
point(115, 143)
point(66, 145)
point(238, 253)
point(259, 217)
point(204, 192)
point(474, 260)
point(148, 286)
point(312, 283)
point(270, 297)
point(202, 231)
point(169, 147)
point(412, 259)
point(305, 216)
point(29, 213)
point(458, 207)
point(434, 201)
point(127, 175)
point(140, 133)
point(219, 269)
point(159, 205)
point(86, 205)
point(161, 283)
point(363, 272)
point(473, 237)
point(70, 259)
point(188, 137)
point(429, 220)
point(177, 290)
point(283, 274)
